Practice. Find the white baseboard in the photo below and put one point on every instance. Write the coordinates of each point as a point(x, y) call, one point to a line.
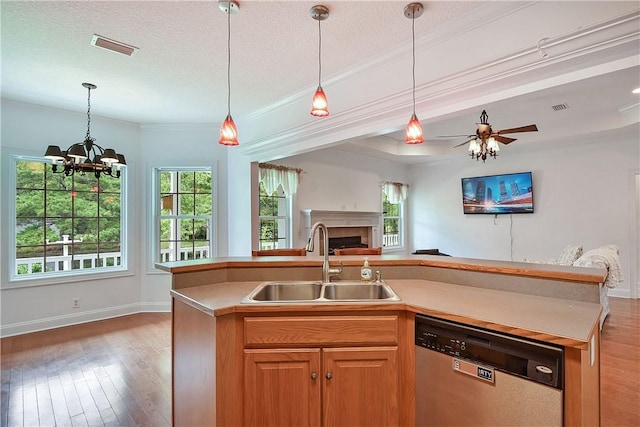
point(82, 317)
point(619, 293)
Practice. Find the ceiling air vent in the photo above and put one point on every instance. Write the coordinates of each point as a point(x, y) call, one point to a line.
point(560, 107)
point(113, 45)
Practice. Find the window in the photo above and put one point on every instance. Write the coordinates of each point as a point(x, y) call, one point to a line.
point(274, 214)
point(66, 223)
point(393, 196)
point(392, 217)
point(184, 208)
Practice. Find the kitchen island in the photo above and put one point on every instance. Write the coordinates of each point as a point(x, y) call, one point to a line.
point(225, 351)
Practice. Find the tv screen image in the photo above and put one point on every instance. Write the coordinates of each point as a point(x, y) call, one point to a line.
point(498, 194)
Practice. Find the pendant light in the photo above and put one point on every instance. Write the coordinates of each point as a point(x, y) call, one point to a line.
point(319, 105)
point(414, 129)
point(228, 130)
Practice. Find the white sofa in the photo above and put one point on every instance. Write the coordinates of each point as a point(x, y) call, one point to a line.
point(603, 257)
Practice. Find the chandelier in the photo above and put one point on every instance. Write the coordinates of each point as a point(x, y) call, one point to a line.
point(86, 156)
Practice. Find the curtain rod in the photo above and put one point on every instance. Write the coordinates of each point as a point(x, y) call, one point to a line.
point(278, 167)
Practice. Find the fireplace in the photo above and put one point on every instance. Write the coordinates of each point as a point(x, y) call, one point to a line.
point(346, 228)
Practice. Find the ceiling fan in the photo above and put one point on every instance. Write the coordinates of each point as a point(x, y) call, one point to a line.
point(485, 142)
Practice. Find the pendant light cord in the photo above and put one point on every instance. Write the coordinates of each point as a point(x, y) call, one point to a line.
point(229, 59)
point(413, 55)
point(319, 54)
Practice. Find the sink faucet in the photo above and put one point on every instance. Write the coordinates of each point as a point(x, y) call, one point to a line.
point(327, 271)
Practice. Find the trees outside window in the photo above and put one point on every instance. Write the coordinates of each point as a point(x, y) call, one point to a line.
point(185, 214)
point(274, 214)
point(66, 223)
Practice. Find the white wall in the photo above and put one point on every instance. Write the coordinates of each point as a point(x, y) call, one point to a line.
point(27, 130)
point(583, 194)
point(340, 181)
point(175, 146)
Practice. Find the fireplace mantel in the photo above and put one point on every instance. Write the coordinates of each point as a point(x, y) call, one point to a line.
point(345, 219)
point(341, 218)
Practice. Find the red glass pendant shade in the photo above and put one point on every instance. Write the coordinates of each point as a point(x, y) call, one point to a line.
point(228, 132)
point(319, 105)
point(414, 131)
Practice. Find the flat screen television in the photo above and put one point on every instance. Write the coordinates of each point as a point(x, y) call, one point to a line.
point(498, 194)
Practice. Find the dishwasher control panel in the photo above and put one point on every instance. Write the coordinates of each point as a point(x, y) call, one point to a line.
point(534, 361)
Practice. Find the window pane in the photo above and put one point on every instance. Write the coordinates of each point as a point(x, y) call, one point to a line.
point(203, 182)
point(56, 181)
point(30, 175)
point(86, 229)
point(109, 229)
point(203, 204)
point(85, 204)
point(186, 229)
point(187, 204)
point(187, 183)
point(59, 203)
point(165, 181)
point(166, 228)
point(109, 204)
point(29, 204)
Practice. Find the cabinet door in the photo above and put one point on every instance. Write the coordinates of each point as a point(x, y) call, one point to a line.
point(282, 387)
point(360, 386)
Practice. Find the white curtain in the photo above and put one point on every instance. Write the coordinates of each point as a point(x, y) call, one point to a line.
point(396, 191)
point(272, 176)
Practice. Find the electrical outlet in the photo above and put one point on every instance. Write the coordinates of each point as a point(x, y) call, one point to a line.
point(76, 302)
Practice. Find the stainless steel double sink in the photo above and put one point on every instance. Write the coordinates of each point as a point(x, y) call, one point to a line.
point(307, 291)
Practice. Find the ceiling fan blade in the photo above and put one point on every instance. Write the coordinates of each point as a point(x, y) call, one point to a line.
point(460, 145)
point(530, 128)
point(453, 136)
point(505, 140)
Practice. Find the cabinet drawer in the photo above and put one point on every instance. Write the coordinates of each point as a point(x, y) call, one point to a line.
point(320, 330)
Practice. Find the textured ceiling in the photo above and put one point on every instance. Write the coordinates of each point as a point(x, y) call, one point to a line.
point(470, 56)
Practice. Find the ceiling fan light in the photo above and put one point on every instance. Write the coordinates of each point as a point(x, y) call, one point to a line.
point(228, 132)
point(319, 105)
point(414, 131)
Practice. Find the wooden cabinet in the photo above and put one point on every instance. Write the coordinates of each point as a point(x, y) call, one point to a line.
point(360, 387)
point(324, 386)
point(282, 388)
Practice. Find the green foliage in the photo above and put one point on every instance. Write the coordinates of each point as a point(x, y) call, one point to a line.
point(50, 205)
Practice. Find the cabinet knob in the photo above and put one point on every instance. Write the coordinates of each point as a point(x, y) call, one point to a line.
point(314, 375)
point(329, 375)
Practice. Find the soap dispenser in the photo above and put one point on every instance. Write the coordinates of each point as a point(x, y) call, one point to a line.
point(365, 271)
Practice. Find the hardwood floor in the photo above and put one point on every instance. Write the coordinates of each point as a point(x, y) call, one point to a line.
point(620, 364)
point(117, 372)
point(114, 372)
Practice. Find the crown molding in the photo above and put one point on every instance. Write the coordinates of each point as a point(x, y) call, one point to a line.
point(585, 52)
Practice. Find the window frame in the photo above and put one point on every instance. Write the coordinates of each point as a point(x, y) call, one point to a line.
point(288, 201)
point(154, 220)
point(401, 225)
point(15, 280)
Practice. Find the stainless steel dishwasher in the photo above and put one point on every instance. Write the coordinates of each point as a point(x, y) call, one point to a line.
point(467, 376)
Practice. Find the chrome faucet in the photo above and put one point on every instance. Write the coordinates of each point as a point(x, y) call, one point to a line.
point(327, 271)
